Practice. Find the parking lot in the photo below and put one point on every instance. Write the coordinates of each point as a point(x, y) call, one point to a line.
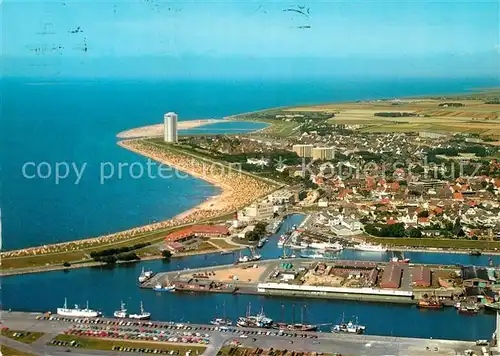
point(154, 337)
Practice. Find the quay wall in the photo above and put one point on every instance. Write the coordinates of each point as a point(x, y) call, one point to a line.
point(263, 287)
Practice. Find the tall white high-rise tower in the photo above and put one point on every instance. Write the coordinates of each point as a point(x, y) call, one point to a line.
point(170, 127)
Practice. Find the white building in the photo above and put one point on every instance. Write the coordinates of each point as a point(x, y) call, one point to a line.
point(257, 211)
point(170, 127)
point(303, 150)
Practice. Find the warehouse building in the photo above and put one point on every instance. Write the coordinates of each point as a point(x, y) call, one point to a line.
point(474, 276)
point(391, 278)
point(421, 277)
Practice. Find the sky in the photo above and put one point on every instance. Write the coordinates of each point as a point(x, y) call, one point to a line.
point(247, 38)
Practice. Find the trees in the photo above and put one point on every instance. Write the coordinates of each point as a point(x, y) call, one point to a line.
point(166, 254)
point(66, 264)
point(415, 233)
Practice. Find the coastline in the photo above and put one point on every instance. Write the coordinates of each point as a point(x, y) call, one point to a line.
point(157, 129)
point(52, 268)
point(222, 204)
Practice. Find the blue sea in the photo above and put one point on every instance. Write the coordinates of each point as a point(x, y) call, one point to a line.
point(50, 124)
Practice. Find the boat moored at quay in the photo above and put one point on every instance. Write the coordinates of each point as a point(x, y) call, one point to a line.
point(77, 312)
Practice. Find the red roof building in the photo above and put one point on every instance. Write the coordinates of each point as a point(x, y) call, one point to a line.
point(421, 277)
point(391, 278)
point(197, 231)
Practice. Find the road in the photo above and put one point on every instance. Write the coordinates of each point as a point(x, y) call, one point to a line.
point(324, 342)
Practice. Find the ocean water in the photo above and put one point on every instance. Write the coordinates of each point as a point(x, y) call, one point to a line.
point(50, 124)
point(104, 288)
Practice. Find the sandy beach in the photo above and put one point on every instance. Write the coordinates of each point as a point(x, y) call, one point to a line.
point(157, 130)
point(238, 190)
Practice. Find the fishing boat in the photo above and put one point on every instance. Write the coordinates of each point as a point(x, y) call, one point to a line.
point(261, 242)
point(350, 327)
point(302, 326)
point(469, 309)
point(167, 288)
point(145, 275)
point(122, 313)
point(222, 321)
point(401, 259)
point(142, 315)
point(430, 303)
point(253, 257)
point(254, 321)
point(76, 311)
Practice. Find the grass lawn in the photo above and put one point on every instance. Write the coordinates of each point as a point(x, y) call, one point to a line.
point(22, 336)
point(108, 344)
point(223, 244)
point(437, 243)
point(8, 351)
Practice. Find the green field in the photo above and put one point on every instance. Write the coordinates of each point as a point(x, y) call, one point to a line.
point(22, 336)
point(8, 351)
point(108, 344)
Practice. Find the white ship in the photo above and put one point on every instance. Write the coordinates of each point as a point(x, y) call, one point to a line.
point(335, 247)
point(145, 275)
point(76, 311)
point(370, 247)
point(142, 316)
point(122, 313)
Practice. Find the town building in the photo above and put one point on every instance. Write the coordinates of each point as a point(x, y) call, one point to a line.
point(303, 150)
point(282, 196)
point(170, 127)
point(323, 153)
point(257, 211)
point(421, 277)
point(391, 277)
point(178, 240)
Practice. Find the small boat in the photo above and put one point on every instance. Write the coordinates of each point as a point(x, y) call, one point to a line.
point(468, 309)
point(122, 313)
point(167, 288)
point(475, 253)
point(253, 257)
point(142, 316)
point(254, 321)
point(350, 327)
point(401, 259)
point(261, 242)
point(430, 303)
point(145, 275)
point(222, 321)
